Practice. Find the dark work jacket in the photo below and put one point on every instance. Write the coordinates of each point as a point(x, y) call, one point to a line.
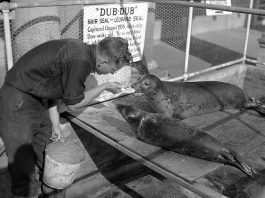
point(56, 69)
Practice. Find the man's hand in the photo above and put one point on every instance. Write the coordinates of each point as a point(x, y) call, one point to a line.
point(57, 134)
point(114, 87)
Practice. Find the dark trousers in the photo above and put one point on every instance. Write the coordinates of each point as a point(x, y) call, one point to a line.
point(25, 128)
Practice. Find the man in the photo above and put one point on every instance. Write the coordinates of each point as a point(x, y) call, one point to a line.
point(54, 70)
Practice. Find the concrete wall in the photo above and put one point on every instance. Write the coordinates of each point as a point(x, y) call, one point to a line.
point(250, 78)
point(202, 24)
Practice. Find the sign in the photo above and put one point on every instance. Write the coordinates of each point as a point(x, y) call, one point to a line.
point(126, 20)
point(210, 12)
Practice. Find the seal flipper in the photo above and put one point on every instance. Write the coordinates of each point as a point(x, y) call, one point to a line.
point(235, 160)
point(255, 105)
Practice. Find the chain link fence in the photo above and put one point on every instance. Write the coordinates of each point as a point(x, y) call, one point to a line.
point(215, 40)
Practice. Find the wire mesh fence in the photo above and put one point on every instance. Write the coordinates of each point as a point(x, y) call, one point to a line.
point(214, 40)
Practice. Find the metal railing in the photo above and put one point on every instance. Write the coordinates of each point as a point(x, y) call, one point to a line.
point(248, 11)
point(7, 7)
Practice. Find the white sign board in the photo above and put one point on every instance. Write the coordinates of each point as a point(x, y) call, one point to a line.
point(126, 20)
point(210, 12)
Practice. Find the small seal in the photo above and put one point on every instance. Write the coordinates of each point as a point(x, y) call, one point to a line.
point(172, 134)
point(186, 99)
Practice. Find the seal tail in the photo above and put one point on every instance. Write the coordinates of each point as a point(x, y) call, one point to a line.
point(255, 105)
point(235, 160)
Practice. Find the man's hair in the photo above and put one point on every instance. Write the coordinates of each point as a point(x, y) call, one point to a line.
point(116, 48)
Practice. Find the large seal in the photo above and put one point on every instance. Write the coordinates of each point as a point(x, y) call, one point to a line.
point(187, 99)
point(175, 135)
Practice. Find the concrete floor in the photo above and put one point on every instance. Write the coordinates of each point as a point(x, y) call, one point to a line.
point(207, 49)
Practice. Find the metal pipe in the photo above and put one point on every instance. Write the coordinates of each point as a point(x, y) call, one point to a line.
point(254, 62)
point(214, 7)
point(206, 70)
point(56, 3)
point(8, 43)
point(93, 2)
point(247, 32)
point(187, 53)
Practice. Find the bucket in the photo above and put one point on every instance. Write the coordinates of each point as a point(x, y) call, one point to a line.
point(62, 162)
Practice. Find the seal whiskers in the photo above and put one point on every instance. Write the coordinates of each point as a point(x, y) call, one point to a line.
point(173, 134)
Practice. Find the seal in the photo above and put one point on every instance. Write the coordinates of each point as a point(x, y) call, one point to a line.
point(186, 99)
point(175, 135)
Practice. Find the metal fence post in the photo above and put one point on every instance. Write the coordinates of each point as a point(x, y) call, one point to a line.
point(8, 39)
point(187, 53)
point(247, 33)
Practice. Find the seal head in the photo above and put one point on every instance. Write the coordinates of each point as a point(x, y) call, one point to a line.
point(131, 114)
point(148, 84)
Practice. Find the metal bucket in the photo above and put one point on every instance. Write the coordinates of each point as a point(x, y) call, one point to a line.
point(62, 162)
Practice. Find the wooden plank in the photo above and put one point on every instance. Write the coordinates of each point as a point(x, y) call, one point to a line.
point(109, 122)
point(195, 187)
point(231, 127)
point(240, 130)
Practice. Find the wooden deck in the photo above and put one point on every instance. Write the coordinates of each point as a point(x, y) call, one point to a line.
point(241, 130)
